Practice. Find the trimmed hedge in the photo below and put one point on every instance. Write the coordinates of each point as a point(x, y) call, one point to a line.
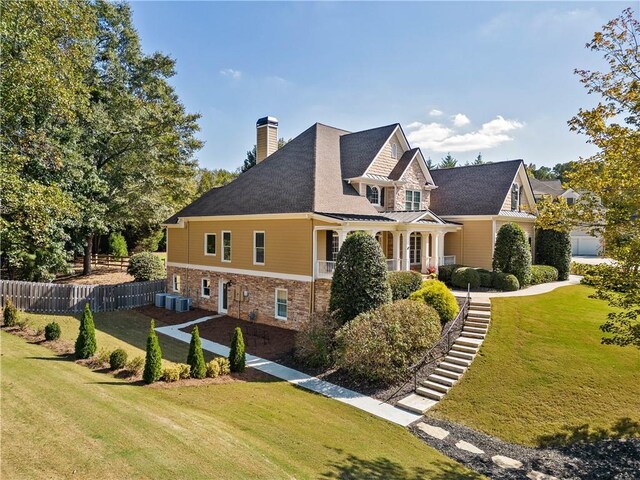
point(315, 340)
point(404, 284)
point(145, 266)
point(378, 346)
point(512, 253)
point(436, 294)
point(464, 276)
point(360, 280)
point(554, 248)
point(543, 274)
point(445, 272)
point(10, 314)
point(118, 359)
point(486, 278)
point(52, 331)
point(505, 282)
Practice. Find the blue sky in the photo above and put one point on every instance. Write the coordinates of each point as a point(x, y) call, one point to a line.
point(464, 78)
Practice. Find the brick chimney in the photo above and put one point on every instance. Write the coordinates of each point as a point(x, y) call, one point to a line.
point(267, 137)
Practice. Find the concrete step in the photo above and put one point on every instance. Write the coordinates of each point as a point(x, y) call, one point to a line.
point(478, 313)
point(486, 321)
point(452, 367)
point(471, 328)
point(480, 305)
point(476, 324)
point(447, 373)
point(470, 349)
point(416, 403)
point(469, 334)
point(457, 361)
point(442, 380)
point(466, 341)
point(439, 387)
point(432, 394)
point(461, 355)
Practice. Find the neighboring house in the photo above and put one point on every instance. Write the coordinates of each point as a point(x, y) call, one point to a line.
point(264, 246)
point(582, 242)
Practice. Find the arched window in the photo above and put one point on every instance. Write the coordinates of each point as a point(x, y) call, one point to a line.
point(394, 150)
point(373, 194)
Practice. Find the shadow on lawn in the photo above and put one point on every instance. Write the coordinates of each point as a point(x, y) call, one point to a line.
point(60, 357)
point(381, 468)
point(623, 428)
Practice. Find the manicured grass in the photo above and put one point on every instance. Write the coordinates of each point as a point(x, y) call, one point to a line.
point(62, 420)
point(543, 378)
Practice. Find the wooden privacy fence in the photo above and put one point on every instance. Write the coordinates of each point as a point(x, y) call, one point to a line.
point(57, 298)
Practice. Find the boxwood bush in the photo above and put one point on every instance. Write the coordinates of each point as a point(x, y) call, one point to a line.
point(436, 294)
point(554, 248)
point(315, 340)
point(145, 266)
point(464, 276)
point(512, 253)
point(486, 278)
point(404, 284)
point(10, 314)
point(445, 272)
point(543, 274)
point(52, 331)
point(378, 346)
point(505, 282)
point(118, 359)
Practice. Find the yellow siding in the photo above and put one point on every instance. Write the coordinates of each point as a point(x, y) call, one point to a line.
point(477, 243)
point(287, 244)
point(453, 245)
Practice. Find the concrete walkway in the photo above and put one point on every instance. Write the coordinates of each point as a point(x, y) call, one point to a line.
point(525, 292)
point(344, 395)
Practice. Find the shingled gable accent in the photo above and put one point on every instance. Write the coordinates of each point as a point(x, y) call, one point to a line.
point(358, 150)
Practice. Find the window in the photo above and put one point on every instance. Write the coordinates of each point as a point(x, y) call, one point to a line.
point(226, 246)
point(515, 196)
point(281, 303)
point(206, 288)
point(209, 243)
point(335, 246)
point(570, 201)
point(373, 194)
point(394, 150)
point(415, 248)
point(258, 248)
point(176, 283)
point(412, 200)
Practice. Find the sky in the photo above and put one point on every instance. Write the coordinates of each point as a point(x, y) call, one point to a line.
point(460, 77)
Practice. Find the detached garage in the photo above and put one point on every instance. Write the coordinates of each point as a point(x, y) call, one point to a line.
point(585, 245)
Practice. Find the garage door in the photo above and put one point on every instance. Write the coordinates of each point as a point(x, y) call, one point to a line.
point(585, 246)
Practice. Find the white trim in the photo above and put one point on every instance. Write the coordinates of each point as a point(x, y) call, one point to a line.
point(412, 190)
point(264, 247)
point(202, 287)
point(240, 271)
point(173, 282)
point(253, 216)
point(275, 313)
point(230, 246)
point(215, 244)
point(377, 189)
point(221, 283)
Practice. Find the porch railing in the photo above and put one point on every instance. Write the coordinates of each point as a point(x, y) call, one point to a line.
point(326, 268)
point(448, 260)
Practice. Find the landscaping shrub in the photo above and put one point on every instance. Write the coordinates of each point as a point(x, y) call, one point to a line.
point(225, 366)
point(145, 266)
point(315, 340)
point(118, 245)
point(445, 272)
point(505, 282)
point(404, 284)
point(185, 370)
point(512, 254)
point(171, 373)
point(195, 358)
point(543, 274)
point(135, 365)
point(554, 248)
point(436, 294)
point(360, 280)
point(52, 331)
point(485, 277)
point(213, 369)
point(153, 361)
point(237, 358)
point(464, 276)
point(118, 359)
point(102, 358)
point(378, 346)
point(86, 342)
point(10, 314)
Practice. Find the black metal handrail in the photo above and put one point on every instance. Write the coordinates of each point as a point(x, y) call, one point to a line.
point(428, 358)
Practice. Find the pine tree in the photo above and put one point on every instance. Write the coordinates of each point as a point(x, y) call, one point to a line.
point(86, 342)
point(195, 359)
point(236, 353)
point(153, 361)
point(448, 162)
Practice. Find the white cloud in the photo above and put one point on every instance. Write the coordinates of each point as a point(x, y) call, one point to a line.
point(440, 138)
point(231, 73)
point(460, 120)
point(435, 112)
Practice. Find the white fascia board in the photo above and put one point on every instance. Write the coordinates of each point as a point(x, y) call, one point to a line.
point(239, 271)
point(258, 216)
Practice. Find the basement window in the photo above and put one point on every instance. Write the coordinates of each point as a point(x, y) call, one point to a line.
point(206, 288)
point(282, 303)
point(176, 283)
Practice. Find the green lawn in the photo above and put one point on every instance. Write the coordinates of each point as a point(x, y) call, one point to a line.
point(542, 376)
point(62, 420)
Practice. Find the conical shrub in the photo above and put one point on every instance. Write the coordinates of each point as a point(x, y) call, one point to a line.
point(86, 342)
point(10, 314)
point(153, 361)
point(195, 359)
point(237, 358)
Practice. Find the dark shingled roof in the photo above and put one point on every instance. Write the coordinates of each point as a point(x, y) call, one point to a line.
point(403, 163)
point(303, 176)
point(358, 149)
point(472, 190)
point(547, 187)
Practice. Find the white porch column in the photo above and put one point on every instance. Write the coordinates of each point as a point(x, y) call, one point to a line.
point(342, 234)
point(424, 254)
point(396, 249)
point(436, 251)
point(406, 249)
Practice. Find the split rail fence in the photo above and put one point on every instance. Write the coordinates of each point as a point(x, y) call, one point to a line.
point(59, 298)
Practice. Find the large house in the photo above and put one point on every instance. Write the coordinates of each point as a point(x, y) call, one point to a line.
point(264, 246)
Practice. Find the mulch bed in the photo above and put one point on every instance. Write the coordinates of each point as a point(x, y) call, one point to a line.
point(171, 317)
point(100, 275)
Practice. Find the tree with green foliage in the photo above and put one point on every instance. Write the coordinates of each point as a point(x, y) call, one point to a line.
point(250, 160)
point(430, 164)
point(146, 266)
point(561, 171)
point(610, 204)
point(9, 314)
point(478, 160)
point(512, 254)
point(86, 345)
point(118, 245)
point(237, 357)
point(360, 279)
point(195, 358)
point(553, 234)
point(153, 360)
point(208, 179)
point(542, 173)
point(448, 162)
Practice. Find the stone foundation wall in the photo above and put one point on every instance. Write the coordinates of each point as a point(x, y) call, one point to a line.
point(322, 291)
point(260, 299)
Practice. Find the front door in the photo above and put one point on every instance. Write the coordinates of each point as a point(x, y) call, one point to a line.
point(223, 302)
